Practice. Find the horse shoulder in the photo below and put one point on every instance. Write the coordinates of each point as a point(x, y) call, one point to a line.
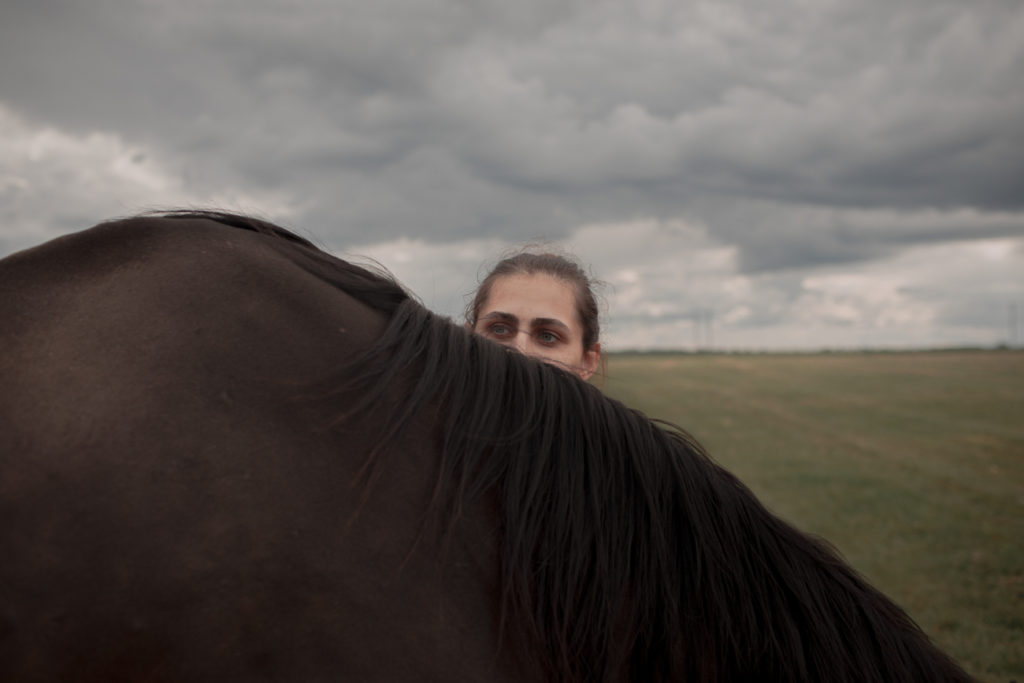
point(175, 495)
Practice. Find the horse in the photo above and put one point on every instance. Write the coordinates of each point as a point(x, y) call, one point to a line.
point(228, 455)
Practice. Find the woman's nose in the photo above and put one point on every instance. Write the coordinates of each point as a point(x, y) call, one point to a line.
point(521, 341)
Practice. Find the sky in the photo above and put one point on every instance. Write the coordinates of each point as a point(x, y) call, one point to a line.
point(750, 175)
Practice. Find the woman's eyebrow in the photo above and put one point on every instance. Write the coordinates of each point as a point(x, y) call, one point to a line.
point(501, 315)
point(549, 322)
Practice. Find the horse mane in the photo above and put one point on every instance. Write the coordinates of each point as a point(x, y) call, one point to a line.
point(626, 551)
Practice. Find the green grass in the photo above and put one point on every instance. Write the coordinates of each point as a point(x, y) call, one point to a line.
point(910, 464)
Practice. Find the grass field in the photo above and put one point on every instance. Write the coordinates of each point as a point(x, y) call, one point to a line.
point(911, 464)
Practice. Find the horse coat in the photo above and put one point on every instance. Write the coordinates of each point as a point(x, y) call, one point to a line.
point(226, 455)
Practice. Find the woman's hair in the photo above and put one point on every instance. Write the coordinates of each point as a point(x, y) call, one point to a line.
point(557, 266)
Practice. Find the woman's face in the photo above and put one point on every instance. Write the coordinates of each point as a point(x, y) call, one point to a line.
point(536, 315)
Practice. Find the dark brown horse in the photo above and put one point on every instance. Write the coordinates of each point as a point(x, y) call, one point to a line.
point(226, 455)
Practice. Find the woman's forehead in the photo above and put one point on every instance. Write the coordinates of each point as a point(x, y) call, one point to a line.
point(533, 295)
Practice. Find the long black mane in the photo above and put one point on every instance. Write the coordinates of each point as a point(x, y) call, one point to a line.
point(625, 550)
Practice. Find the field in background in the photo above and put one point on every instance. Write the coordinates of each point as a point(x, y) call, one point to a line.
point(911, 464)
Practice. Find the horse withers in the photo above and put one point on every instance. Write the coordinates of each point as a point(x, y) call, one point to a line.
point(227, 455)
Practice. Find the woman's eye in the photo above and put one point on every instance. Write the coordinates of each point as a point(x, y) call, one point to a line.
point(499, 330)
point(546, 337)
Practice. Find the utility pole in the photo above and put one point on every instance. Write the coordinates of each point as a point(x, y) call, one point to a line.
point(1011, 325)
point(711, 329)
point(703, 332)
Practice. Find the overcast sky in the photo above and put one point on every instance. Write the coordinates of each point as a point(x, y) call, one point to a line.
point(759, 174)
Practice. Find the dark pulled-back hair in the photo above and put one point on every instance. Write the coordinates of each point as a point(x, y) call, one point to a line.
point(557, 266)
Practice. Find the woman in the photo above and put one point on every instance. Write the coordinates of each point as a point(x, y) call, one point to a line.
point(542, 305)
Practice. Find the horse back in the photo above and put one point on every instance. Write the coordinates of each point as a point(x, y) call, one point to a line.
point(173, 325)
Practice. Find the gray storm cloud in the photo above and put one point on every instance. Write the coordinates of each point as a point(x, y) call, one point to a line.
point(803, 139)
